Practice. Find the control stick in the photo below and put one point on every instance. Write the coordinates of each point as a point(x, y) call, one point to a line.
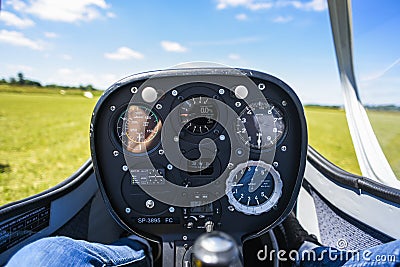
point(215, 249)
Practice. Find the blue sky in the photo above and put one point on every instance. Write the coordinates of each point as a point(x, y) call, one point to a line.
point(75, 42)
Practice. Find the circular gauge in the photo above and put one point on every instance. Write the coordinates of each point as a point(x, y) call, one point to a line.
point(137, 128)
point(198, 114)
point(260, 125)
point(253, 187)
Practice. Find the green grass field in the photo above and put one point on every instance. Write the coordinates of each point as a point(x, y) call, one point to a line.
point(45, 138)
point(329, 134)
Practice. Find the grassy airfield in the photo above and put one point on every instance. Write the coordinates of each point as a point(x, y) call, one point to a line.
point(45, 137)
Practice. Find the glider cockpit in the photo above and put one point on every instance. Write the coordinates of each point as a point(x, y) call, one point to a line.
point(182, 151)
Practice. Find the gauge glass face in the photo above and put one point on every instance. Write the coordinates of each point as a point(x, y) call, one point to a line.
point(198, 115)
point(137, 128)
point(247, 191)
point(260, 125)
point(254, 187)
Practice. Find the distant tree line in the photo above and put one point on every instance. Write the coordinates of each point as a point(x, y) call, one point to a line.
point(368, 107)
point(21, 80)
point(383, 107)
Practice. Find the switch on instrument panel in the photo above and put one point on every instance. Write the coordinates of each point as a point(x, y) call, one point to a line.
point(197, 217)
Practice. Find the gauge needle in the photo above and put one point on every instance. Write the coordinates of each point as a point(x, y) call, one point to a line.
point(259, 139)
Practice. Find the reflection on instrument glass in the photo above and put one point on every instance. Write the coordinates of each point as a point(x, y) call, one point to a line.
point(253, 187)
point(147, 176)
point(137, 128)
point(260, 125)
point(195, 167)
point(198, 106)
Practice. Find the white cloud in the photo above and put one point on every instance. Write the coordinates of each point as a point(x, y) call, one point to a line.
point(313, 5)
point(250, 4)
point(111, 15)
point(51, 34)
point(17, 68)
point(241, 16)
point(242, 40)
point(77, 76)
point(17, 5)
point(66, 57)
point(173, 47)
point(124, 53)
point(10, 19)
point(234, 56)
point(65, 71)
point(282, 19)
point(63, 10)
point(258, 6)
point(19, 39)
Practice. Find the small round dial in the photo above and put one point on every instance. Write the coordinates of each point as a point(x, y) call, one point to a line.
point(137, 128)
point(198, 114)
point(260, 125)
point(253, 187)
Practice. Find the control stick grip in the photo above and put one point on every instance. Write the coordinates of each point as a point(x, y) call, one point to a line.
point(216, 249)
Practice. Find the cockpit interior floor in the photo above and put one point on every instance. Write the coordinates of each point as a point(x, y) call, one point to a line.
point(336, 226)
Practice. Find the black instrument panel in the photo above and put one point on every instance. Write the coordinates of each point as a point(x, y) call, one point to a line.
point(241, 143)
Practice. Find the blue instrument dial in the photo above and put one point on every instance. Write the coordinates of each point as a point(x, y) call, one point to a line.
point(254, 187)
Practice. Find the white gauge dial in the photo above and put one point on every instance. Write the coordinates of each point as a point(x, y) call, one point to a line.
point(254, 187)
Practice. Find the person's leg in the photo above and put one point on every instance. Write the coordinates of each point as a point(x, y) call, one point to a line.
point(311, 253)
point(383, 255)
point(64, 251)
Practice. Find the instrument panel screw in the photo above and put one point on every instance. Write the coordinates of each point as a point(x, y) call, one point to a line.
point(128, 210)
point(171, 209)
point(158, 106)
point(261, 86)
point(112, 108)
point(124, 168)
point(283, 148)
point(115, 153)
point(221, 91)
point(275, 164)
point(176, 138)
point(231, 208)
point(170, 167)
point(284, 103)
point(230, 165)
point(174, 92)
point(238, 104)
point(161, 152)
point(149, 204)
point(222, 137)
point(134, 90)
point(239, 152)
point(184, 237)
